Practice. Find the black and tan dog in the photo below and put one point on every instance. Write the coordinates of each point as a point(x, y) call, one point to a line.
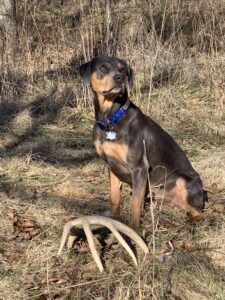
point(119, 132)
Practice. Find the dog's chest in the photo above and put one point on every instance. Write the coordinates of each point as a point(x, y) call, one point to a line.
point(112, 150)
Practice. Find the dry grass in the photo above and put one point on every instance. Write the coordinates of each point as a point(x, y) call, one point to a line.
point(49, 168)
point(76, 183)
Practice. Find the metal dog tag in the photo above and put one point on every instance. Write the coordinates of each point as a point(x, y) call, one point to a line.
point(111, 135)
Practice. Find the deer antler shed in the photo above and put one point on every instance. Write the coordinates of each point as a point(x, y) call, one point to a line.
point(113, 225)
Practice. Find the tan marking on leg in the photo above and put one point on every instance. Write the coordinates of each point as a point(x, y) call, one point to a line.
point(182, 192)
point(178, 197)
point(115, 192)
point(137, 204)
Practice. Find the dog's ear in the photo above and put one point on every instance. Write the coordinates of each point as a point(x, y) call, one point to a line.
point(85, 72)
point(130, 76)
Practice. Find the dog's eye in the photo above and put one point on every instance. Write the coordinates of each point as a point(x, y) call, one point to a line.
point(123, 70)
point(104, 69)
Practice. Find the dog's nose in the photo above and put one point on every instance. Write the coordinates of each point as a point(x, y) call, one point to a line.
point(119, 78)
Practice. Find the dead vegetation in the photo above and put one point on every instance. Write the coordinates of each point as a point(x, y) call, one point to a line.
point(50, 173)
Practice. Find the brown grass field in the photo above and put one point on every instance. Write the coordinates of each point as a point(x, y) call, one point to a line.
point(50, 172)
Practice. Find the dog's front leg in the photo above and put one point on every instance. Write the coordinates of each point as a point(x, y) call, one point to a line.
point(115, 184)
point(139, 183)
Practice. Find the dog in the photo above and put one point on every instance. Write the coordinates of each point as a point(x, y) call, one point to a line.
point(126, 139)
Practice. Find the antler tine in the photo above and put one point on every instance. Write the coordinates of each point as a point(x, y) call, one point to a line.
point(121, 240)
point(66, 232)
point(132, 234)
point(90, 239)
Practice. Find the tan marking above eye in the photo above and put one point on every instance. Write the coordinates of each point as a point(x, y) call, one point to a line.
point(105, 68)
point(121, 68)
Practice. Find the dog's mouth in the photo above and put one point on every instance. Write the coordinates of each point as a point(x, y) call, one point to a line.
point(114, 90)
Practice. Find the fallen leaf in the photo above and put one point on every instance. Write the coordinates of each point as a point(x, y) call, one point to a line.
point(168, 224)
point(51, 280)
point(24, 226)
point(35, 232)
point(185, 245)
point(28, 224)
point(34, 284)
point(83, 247)
point(26, 236)
point(111, 242)
point(55, 280)
point(62, 280)
point(48, 281)
point(15, 258)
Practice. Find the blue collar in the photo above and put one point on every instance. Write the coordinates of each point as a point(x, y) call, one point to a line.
point(105, 125)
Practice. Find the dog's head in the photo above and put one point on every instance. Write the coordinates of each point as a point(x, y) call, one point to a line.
point(107, 76)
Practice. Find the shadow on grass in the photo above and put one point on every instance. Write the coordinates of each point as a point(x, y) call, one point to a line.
point(43, 110)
